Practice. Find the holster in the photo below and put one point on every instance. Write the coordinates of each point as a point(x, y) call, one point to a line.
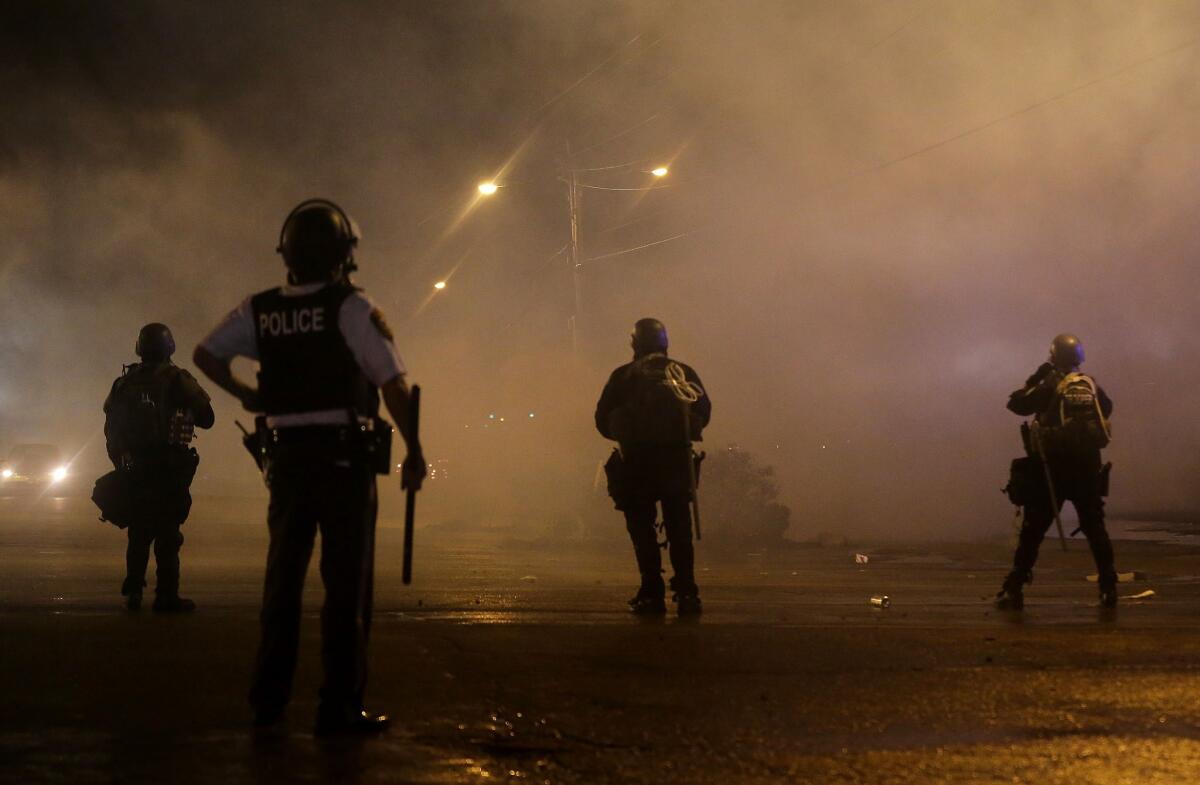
point(369, 443)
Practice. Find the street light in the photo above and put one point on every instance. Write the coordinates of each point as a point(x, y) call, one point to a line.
point(570, 176)
point(440, 285)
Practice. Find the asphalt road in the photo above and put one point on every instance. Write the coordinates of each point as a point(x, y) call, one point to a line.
point(513, 660)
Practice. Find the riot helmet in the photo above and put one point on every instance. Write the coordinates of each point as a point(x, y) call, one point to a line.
point(648, 336)
point(155, 343)
point(1066, 352)
point(317, 241)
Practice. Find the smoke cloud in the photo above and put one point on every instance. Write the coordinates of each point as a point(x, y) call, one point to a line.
point(876, 218)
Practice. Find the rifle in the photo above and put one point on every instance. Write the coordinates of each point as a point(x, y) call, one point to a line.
point(410, 501)
point(1036, 433)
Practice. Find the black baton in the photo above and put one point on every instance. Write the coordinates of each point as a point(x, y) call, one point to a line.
point(410, 502)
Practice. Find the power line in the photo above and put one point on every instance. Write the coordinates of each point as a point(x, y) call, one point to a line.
point(589, 74)
point(1037, 105)
point(606, 188)
point(639, 247)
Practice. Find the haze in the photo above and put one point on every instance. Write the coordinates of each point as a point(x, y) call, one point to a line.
point(877, 216)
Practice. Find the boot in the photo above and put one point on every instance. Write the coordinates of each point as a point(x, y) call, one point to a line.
point(1108, 595)
point(1010, 599)
point(648, 602)
point(687, 603)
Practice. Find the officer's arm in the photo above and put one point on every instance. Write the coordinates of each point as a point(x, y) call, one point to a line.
point(221, 373)
point(1035, 396)
point(1106, 405)
point(399, 404)
point(196, 400)
point(609, 400)
point(397, 398)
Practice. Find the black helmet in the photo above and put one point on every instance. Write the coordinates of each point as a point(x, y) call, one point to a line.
point(317, 241)
point(649, 335)
point(155, 343)
point(1066, 352)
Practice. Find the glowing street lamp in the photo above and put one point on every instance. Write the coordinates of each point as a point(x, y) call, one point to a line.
point(440, 285)
point(488, 188)
point(660, 171)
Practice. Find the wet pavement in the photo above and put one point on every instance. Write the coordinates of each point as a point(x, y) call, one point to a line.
point(512, 660)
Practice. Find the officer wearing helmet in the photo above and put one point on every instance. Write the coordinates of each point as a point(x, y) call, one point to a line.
point(1070, 427)
point(325, 357)
point(654, 408)
point(151, 414)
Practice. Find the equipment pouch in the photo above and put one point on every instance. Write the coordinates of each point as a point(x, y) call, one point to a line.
point(1025, 482)
point(377, 444)
point(114, 495)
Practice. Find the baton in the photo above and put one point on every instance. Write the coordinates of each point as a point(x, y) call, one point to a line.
point(410, 502)
point(1037, 442)
point(691, 461)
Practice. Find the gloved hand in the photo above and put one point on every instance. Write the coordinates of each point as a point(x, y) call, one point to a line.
point(412, 473)
point(1043, 371)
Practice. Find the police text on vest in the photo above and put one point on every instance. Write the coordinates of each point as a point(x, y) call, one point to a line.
point(297, 320)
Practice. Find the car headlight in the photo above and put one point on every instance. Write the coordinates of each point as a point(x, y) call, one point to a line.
point(6, 473)
point(59, 474)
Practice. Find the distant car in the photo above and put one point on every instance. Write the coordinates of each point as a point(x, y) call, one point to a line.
point(33, 464)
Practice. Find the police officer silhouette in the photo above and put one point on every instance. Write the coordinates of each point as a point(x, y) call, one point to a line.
point(326, 355)
point(151, 414)
point(1070, 426)
point(640, 410)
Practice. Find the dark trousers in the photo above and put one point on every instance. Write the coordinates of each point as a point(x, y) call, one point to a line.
point(159, 482)
point(1039, 517)
point(311, 492)
point(166, 539)
point(640, 518)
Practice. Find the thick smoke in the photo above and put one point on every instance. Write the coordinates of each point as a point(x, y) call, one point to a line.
point(882, 213)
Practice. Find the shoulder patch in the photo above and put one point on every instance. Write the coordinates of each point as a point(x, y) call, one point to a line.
point(381, 325)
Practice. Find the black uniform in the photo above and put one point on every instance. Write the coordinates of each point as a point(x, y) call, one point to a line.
point(320, 477)
point(150, 414)
point(1076, 469)
point(638, 411)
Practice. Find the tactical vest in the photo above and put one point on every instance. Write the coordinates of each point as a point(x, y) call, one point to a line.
point(139, 410)
point(305, 364)
point(1075, 421)
point(656, 417)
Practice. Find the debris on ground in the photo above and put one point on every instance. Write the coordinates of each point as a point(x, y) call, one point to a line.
point(1122, 577)
point(861, 558)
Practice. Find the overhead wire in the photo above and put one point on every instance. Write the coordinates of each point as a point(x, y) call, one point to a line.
point(1031, 107)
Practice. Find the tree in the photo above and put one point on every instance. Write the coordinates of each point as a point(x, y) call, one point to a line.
point(738, 499)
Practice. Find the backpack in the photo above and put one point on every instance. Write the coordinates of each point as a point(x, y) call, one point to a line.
point(658, 416)
point(1082, 425)
point(138, 412)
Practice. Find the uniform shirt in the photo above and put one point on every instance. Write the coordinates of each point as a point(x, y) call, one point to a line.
point(361, 325)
